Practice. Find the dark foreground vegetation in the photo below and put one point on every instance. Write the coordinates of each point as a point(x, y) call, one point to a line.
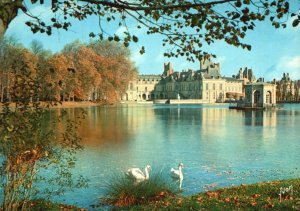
point(160, 196)
point(258, 196)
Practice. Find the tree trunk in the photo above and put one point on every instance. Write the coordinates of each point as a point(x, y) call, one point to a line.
point(8, 11)
point(2, 29)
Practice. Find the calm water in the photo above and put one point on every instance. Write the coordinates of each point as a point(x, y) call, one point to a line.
point(219, 147)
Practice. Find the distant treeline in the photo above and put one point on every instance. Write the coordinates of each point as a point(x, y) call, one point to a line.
point(98, 70)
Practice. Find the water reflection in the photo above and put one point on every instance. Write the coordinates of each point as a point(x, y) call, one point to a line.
point(260, 118)
point(218, 146)
point(106, 125)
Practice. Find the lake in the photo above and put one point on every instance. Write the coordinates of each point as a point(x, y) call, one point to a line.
point(219, 147)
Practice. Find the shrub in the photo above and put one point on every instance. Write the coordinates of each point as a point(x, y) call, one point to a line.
point(122, 191)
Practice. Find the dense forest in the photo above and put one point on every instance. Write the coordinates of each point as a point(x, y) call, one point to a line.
point(97, 71)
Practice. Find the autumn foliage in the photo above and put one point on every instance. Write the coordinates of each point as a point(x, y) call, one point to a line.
point(98, 71)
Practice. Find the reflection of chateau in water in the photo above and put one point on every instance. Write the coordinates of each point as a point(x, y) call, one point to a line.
point(200, 136)
point(261, 118)
point(119, 124)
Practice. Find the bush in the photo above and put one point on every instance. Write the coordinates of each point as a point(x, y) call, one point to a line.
point(122, 191)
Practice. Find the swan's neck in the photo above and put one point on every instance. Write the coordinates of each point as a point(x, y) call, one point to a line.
point(180, 177)
point(146, 173)
point(180, 184)
point(180, 172)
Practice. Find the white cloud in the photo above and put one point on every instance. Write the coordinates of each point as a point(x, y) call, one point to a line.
point(294, 63)
point(160, 57)
point(286, 64)
point(137, 57)
point(220, 59)
point(120, 31)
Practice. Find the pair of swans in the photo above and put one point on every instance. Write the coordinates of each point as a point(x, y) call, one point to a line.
point(140, 176)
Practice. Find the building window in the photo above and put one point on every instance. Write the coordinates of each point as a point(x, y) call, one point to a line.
point(207, 86)
point(214, 86)
point(145, 89)
point(221, 86)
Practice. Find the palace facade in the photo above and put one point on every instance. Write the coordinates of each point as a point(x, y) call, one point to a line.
point(206, 84)
point(287, 89)
point(141, 89)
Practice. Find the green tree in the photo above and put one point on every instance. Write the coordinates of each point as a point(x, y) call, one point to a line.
point(43, 56)
point(28, 146)
point(185, 24)
point(12, 56)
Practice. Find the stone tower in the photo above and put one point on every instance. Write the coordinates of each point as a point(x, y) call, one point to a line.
point(205, 62)
point(168, 69)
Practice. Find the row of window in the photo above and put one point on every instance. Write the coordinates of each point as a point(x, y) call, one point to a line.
point(215, 95)
point(182, 87)
point(234, 89)
point(213, 86)
point(190, 87)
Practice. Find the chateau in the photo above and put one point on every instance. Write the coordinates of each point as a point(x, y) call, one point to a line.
point(206, 84)
point(287, 89)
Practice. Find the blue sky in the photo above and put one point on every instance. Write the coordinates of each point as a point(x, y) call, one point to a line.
point(274, 51)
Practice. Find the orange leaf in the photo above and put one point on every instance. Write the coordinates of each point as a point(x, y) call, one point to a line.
point(179, 201)
point(212, 194)
point(255, 196)
point(167, 203)
point(200, 199)
point(162, 193)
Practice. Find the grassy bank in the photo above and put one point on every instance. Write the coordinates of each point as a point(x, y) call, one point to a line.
point(260, 196)
point(244, 197)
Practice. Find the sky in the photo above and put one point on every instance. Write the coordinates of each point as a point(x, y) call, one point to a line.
point(274, 51)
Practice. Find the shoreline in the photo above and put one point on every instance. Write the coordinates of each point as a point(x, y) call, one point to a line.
point(84, 104)
point(67, 104)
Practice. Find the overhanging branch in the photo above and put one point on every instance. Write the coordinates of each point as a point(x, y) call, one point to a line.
point(135, 7)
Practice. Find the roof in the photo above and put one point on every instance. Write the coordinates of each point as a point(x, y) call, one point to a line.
point(259, 83)
point(149, 77)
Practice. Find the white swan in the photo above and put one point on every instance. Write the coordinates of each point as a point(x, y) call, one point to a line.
point(177, 174)
point(137, 173)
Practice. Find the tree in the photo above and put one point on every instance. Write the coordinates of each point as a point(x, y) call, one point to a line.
point(116, 69)
point(186, 24)
point(28, 146)
point(12, 58)
point(102, 73)
point(53, 77)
